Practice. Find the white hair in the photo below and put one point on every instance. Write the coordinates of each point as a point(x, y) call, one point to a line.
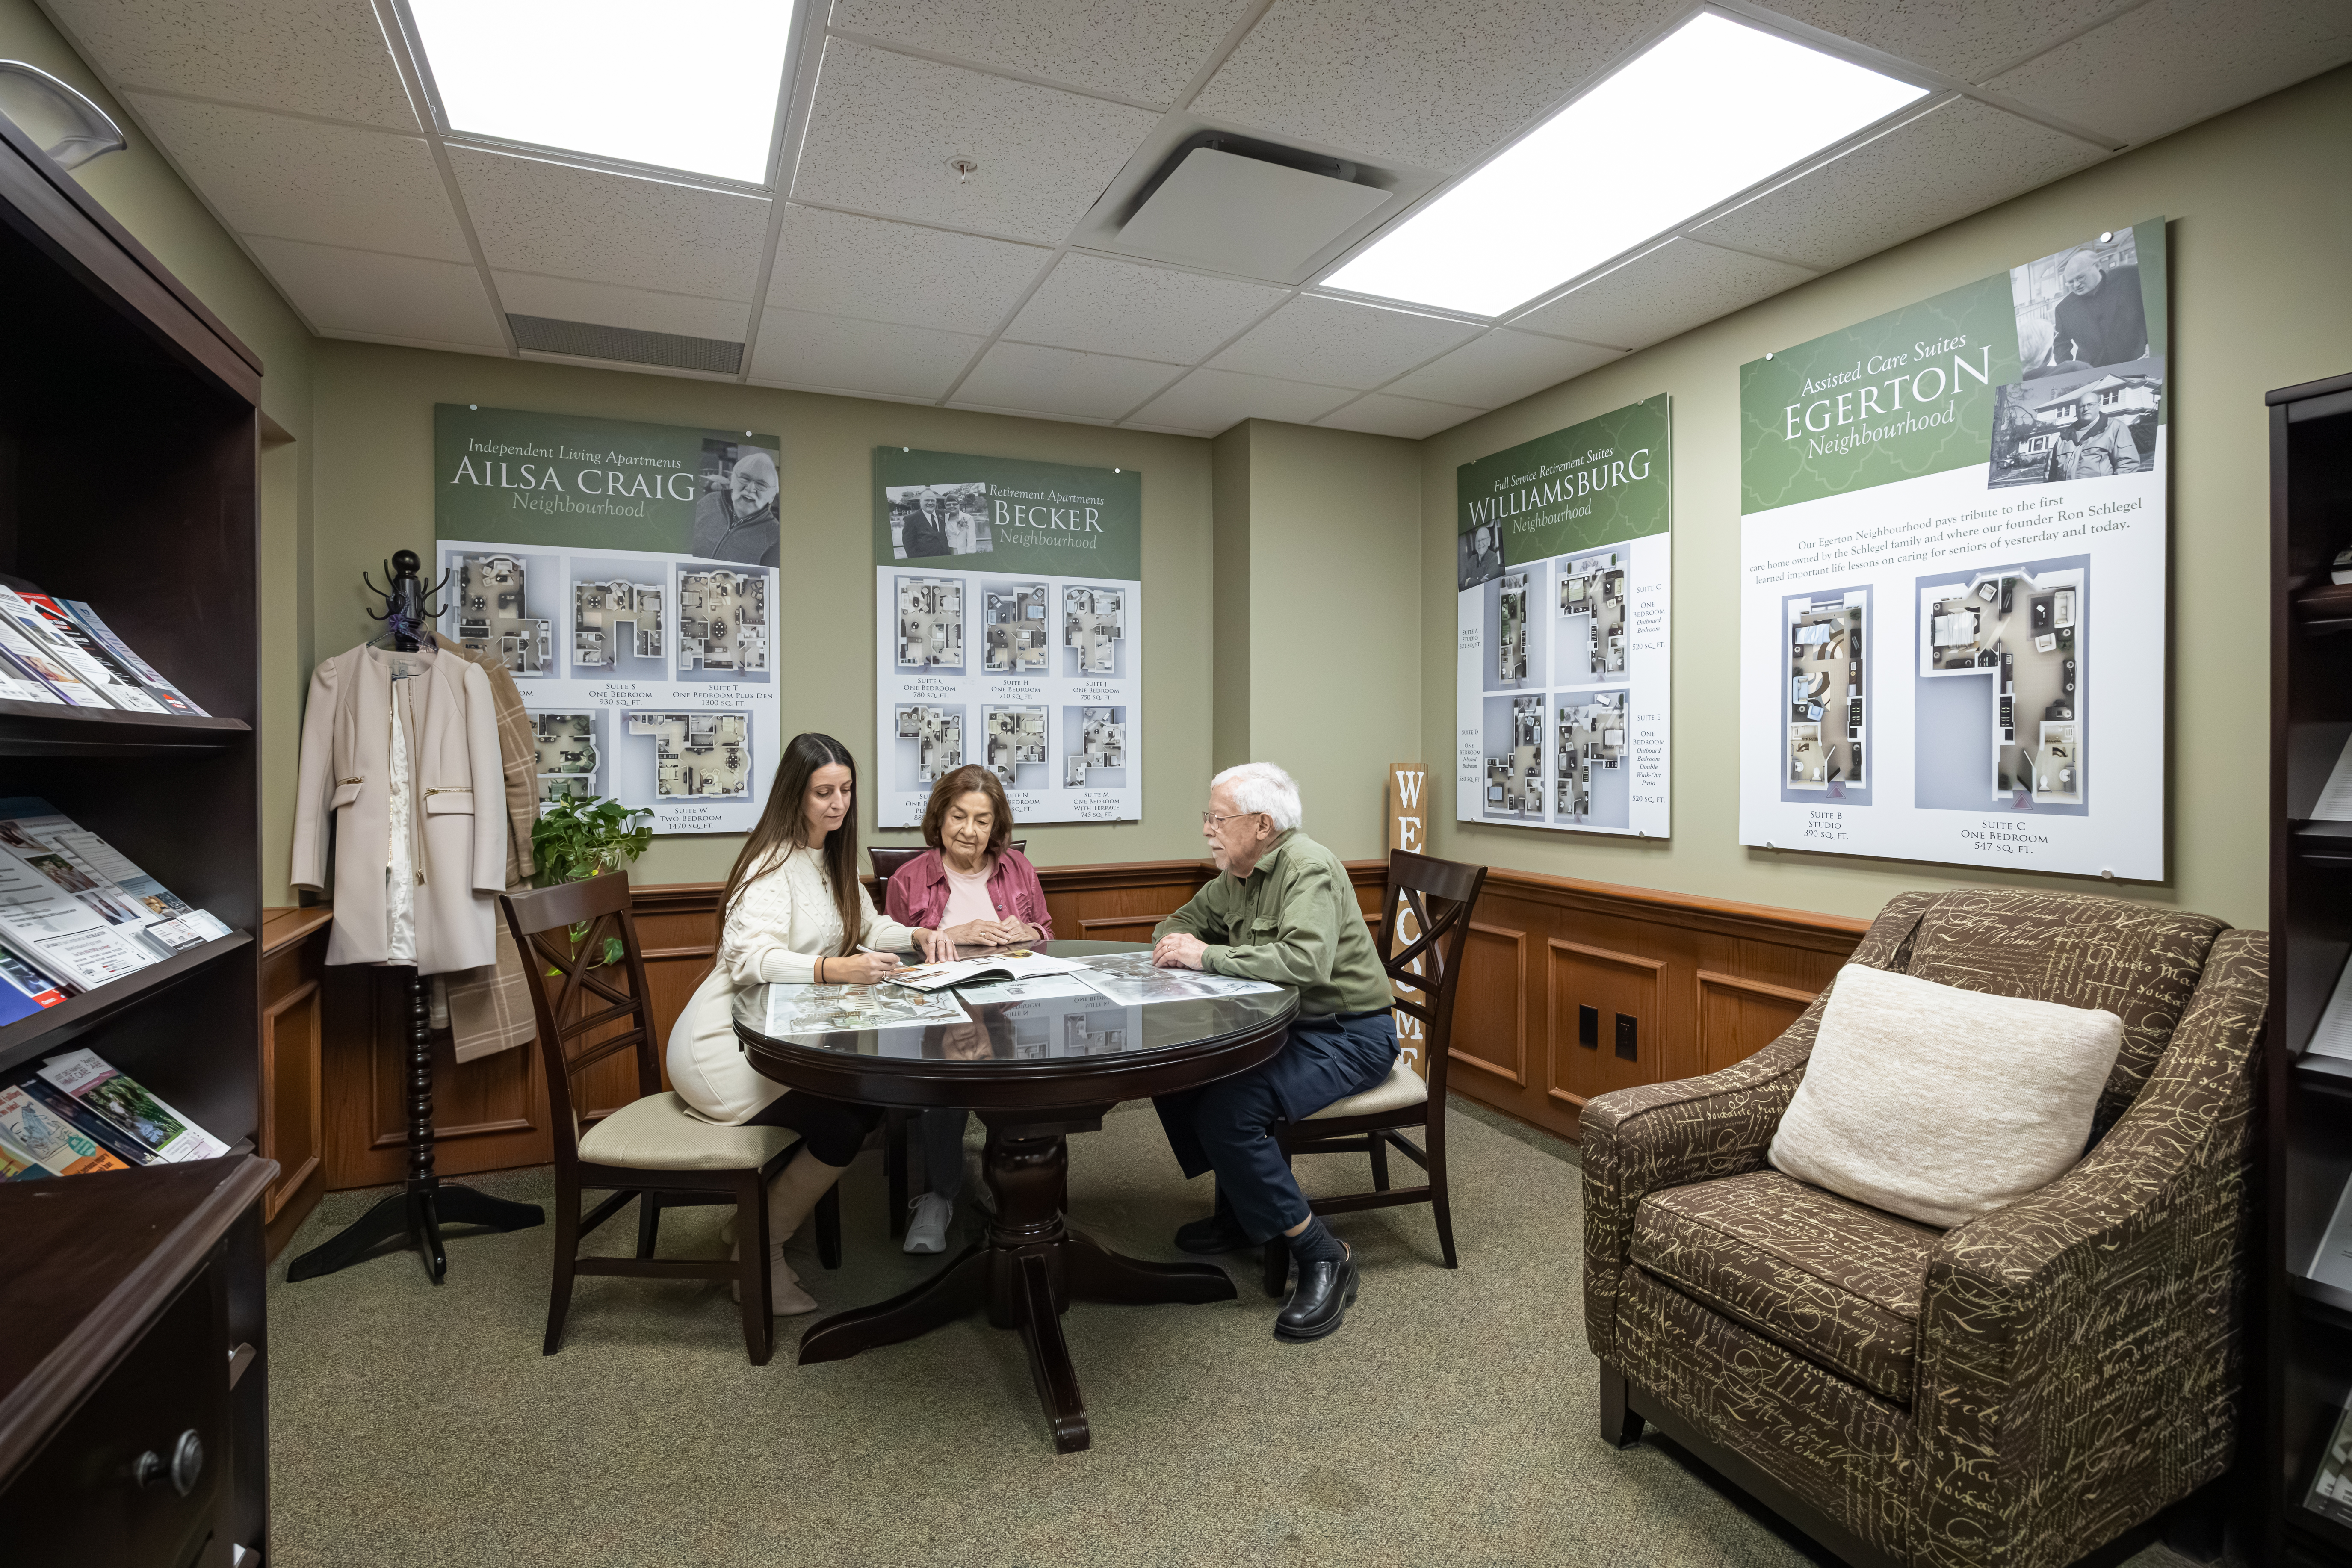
point(1263, 786)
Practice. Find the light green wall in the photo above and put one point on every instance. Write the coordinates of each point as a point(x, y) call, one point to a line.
point(1229, 660)
point(374, 495)
point(143, 193)
point(2260, 208)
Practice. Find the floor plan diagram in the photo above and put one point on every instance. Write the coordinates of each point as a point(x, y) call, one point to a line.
point(937, 734)
point(706, 754)
point(1515, 776)
point(2021, 629)
point(1016, 629)
point(1093, 624)
point(1511, 618)
point(722, 621)
point(565, 745)
point(1592, 738)
point(1014, 736)
point(607, 618)
point(931, 622)
point(1102, 743)
point(493, 615)
point(1825, 690)
point(1592, 592)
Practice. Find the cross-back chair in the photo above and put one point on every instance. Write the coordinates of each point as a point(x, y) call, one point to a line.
point(652, 1149)
point(1440, 896)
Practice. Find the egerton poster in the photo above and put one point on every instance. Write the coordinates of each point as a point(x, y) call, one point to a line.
point(625, 575)
point(1009, 615)
point(1564, 572)
point(1952, 574)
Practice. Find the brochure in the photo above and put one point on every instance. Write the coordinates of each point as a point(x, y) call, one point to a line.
point(60, 932)
point(143, 900)
point(90, 1125)
point(964, 971)
point(112, 687)
point(15, 1165)
point(123, 686)
point(170, 695)
point(40, 660)
point(59, 1149)
point(2331, 1485)
point(128, 1104)
point(19, 684)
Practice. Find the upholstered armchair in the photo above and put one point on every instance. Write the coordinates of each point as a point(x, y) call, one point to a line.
point(2018, 1390)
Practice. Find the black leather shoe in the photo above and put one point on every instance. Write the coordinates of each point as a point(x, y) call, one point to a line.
point(1217, 1233)
point(1320, 1303)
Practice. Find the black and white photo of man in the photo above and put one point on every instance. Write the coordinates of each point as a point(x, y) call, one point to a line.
point(2081, 308)
point(2093, 447)
point(1479, 555)
point(735, 517)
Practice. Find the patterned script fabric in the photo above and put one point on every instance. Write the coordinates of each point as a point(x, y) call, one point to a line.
point(2016, 1391)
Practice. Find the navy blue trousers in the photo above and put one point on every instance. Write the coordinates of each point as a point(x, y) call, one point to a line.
point(1228, 1126)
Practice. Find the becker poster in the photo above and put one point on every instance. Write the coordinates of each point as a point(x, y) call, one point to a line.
point(1952, 541)
point(1564, 567)
point(624, 575)
point(1008, 609)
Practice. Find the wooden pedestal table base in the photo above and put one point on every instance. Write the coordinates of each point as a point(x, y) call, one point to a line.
point(1026, 1274)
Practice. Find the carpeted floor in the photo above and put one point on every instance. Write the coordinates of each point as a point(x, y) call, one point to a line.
point(1451, 1422)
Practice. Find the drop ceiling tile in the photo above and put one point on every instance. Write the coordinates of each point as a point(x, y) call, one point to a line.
point(1501, 367)
point(296, 179)
point(1143, 50)
point(1969, 41)
point(1377, 414)
point(885, 126)
point(1959, 158)
point(841, 264)
point(1057, 380)
point(800, 349)
point(1432, 86)
point(533, 216)
point(1680, 285)
point(1146, 313)
point(2174, 62)
point(1341, 343)
point(1210, 402)
point(326, 57)
point(381, 296)
point(641, 310)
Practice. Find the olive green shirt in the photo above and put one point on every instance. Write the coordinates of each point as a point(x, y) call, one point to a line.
point(1293, 920)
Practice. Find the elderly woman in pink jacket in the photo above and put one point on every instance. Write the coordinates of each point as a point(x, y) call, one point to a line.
point(975, 889)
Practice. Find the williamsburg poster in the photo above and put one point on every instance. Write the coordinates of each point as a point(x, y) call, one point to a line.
point(624, 575)
point(1564, 577)
point(1009, 610)
point(1952, 561)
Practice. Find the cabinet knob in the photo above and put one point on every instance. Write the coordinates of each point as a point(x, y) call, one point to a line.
point(186, 1466)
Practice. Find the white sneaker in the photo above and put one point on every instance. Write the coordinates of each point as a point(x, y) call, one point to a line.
point(928, 1231)
point(784, 1292)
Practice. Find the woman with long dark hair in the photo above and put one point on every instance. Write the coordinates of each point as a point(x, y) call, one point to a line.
point(794, 911)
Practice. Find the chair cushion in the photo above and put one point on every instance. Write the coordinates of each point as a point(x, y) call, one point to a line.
point(1940, 1104)
point(658, 1133)
point(1402, 1088)
point(1833, 1280)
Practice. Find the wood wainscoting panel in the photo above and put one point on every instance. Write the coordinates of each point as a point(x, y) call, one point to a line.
point(1490, 1008)
point(1605, 1021)
point(1738, 1017)
point(293, 1130)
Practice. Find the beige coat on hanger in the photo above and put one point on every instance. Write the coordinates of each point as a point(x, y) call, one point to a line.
point(458, 805)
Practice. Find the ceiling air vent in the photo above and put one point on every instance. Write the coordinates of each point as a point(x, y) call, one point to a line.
point(585, 340)
point(1247, 207)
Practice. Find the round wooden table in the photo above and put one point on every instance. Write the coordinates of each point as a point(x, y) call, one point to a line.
point(1036, 1071)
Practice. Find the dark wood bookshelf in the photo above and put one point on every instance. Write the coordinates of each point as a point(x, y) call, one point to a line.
point(2299, 1364)
point(129, 439)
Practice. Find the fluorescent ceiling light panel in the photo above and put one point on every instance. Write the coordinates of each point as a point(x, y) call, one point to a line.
point(691, 84)
point(1710, 110)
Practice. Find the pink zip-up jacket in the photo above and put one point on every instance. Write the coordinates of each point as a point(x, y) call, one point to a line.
point(918, 894)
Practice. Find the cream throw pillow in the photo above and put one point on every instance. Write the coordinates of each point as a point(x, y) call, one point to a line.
point(1940, 1104)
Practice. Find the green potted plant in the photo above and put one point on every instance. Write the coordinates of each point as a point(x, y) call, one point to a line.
point(575, 839)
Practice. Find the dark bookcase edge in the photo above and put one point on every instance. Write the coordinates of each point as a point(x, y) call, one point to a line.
point(51, 1028)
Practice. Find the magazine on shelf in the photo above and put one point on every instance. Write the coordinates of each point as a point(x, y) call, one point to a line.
point(58, 1146)
point(62, 933)
point(19, 684)
point(123, 685)
point(20, 970)
point(2331, 1485)
point(113, 686)
point(170, 696)
point(964, 971)
point(16, 1165)
point(91, 1125)
point(129, 1105)
point(40, 660)
point(140, 899)
point(24, 990)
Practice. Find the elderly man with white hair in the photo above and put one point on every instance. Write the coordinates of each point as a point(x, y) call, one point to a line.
point(1283, 910)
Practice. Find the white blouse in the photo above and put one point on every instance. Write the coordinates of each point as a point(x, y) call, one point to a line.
point(780, 923)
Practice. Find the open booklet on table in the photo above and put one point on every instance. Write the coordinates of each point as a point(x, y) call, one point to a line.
point(990, 966)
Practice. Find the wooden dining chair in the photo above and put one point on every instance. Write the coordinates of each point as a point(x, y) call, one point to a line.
point(652, 1149)
point(1440, 895)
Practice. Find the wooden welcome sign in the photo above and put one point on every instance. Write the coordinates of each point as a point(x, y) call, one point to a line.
point(1408, 814)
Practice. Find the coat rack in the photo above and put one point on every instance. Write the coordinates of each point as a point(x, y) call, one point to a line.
point(416, 1214)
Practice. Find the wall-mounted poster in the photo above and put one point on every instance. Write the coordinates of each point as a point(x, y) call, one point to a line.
point(625, 575)
point(1952, 559)
point(1564, 563)
point(1009, 614)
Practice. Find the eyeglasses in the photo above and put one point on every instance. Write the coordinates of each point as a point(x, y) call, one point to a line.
point(1210, 818)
